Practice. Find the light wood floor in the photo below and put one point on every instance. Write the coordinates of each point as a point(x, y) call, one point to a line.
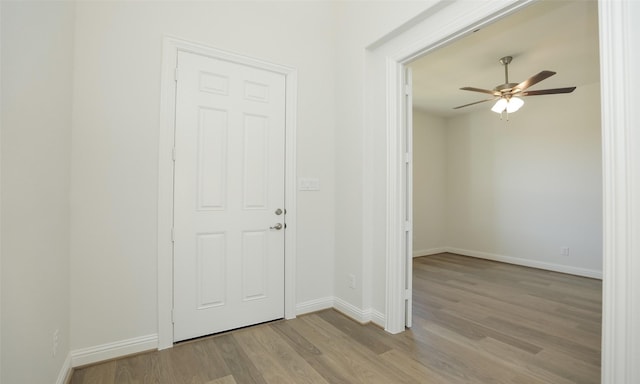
point(475, 321)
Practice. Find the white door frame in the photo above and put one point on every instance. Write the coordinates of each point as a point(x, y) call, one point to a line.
point(171, 46)
point(458, 19)
point(620, 335)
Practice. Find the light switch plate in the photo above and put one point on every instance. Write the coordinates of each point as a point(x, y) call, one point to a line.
point(308, 184)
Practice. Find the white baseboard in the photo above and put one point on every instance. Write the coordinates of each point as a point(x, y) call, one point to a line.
point(99, 353)
point(357, 314)
point(378, 318)
point(314, 305)
point(84, 356)
point(350, 310)
point(65, 372)
point(528, 263)
point(428, 252)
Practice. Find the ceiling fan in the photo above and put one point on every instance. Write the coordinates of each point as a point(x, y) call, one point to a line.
point(508, 95)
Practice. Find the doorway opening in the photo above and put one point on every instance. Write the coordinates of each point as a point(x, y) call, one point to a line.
point(435, 29)
point(527, 190)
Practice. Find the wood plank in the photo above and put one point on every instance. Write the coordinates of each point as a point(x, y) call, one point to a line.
point(355, 331)
point(223, 380)
point(276, 360)
point(139, 369)
point(308, 351)
point(95, 374)
point(239, 364)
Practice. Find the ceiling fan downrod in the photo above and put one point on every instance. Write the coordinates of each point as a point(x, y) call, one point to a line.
point(506, 61)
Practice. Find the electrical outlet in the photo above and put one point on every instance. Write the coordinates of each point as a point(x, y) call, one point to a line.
point(352, 281)
point(56, 342)
point(564, 251)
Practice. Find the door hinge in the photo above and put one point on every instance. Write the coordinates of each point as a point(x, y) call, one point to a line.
point(407, 226)
point(407, 294)
point(173, 153)
point(407, 89)
point(173, 320)
point(173, 235)
point(407, 157)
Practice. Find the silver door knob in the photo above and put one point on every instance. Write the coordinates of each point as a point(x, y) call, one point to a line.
point(278, 212)
point(277, 227)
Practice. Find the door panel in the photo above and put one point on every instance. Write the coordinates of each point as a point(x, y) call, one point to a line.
point(229, 181)
point(212, 156)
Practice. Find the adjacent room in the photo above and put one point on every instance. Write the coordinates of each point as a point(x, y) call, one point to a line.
point(495, 194)
point(522, 187)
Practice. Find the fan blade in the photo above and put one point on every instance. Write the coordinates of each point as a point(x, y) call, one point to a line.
point(534, 80)
point(477, 102)
point(480, 90)
point(548, 91)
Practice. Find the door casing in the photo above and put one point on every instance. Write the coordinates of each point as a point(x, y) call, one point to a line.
point(462, 20)
point(171, 47)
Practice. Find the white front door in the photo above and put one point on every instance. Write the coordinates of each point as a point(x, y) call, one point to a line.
point(229, 219)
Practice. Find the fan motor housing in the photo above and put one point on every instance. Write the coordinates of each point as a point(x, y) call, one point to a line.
point(503, 88)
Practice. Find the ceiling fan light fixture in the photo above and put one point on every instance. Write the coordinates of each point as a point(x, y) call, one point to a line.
point(500, 105)
point(509, 105)
point(509, 94)
point(514, 104)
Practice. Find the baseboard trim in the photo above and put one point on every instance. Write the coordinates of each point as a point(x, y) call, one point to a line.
point(528, 263)
point(65, 372)
point(90, 355)
point(109, 351)
point(429, 252)
point(360, 315)
point(314, 305)
point(350, 310)
point(378, 318)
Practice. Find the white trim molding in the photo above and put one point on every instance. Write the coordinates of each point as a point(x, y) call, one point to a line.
point(171, 46)
point(619, 80)
point(362, 316)
point(314, 305)
point(528, 262)
point(378, 318)
point(430, 251)
point(90, 355)
point(395, 258)
point(64, 376)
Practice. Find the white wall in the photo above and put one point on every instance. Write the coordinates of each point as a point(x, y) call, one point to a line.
point(376, 120)
point(429, 183)
point(524, 188)
point(359, 24)
point(115, 139)
point(37, 45)
point(115, 145)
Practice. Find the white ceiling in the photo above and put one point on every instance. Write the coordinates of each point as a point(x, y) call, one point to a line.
point(560, 36)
